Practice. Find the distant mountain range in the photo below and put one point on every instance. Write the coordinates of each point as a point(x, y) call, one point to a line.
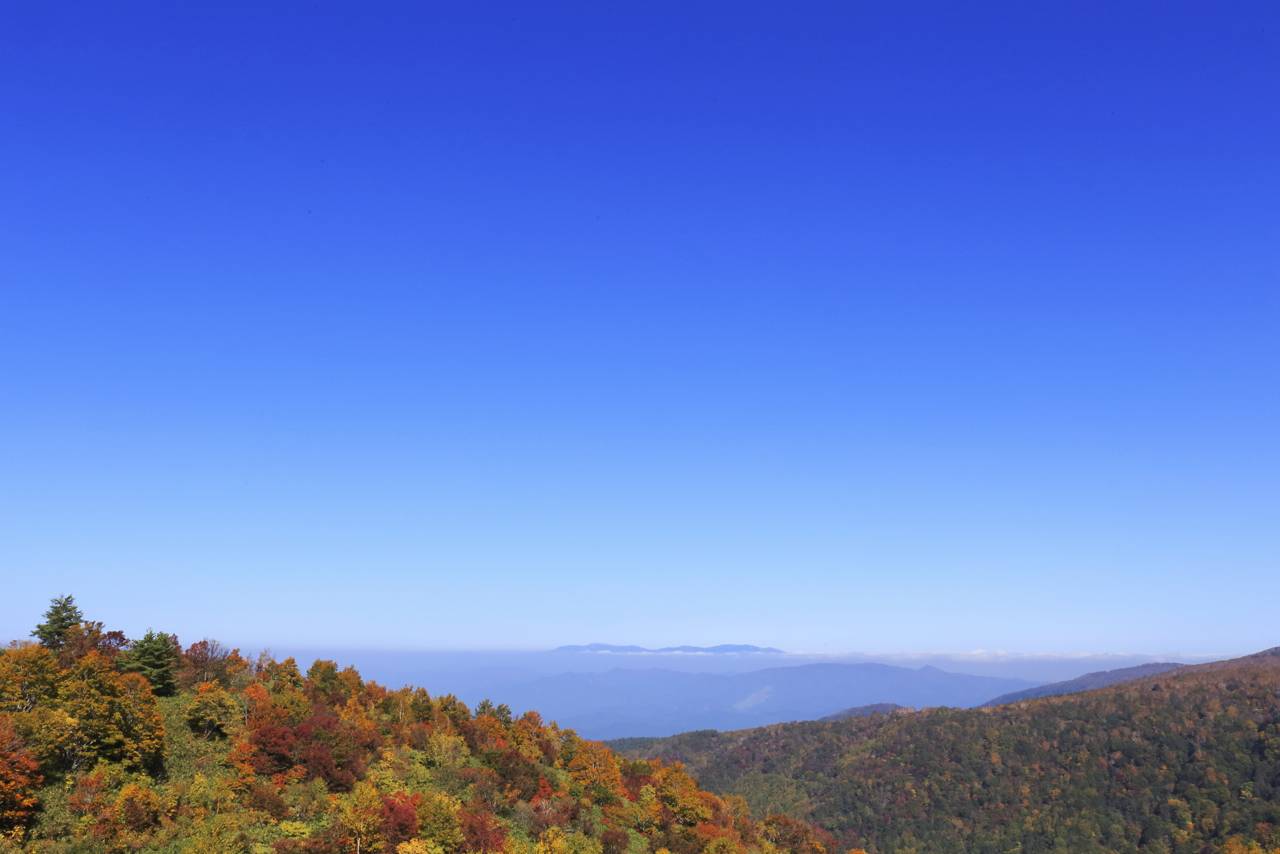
point(613, 690)
point(1087, 682)
point(719, 649)
point(654, 702)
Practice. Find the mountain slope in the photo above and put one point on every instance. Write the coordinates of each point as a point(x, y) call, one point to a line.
point(865, 711)
point(622, 703)
point(1087, 682)
point(108, 745)
point(1181, 762)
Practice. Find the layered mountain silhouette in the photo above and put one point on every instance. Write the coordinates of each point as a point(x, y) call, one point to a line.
point(718, 649)
point(653, 702)
point(1087, 682)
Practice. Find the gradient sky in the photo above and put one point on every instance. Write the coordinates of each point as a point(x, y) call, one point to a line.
point(948, 327)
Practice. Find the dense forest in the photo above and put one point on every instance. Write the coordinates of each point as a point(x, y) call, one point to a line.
point(109, 745)
point(1186, 761)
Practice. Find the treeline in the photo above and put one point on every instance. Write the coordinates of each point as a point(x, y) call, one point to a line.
point(114, 745)
point(1184, 762)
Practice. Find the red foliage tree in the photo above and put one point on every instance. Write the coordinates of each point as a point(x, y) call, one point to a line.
point(333, 750)
point(274, 747)
point(400, 817)
point(481, 830)
point(18, 780)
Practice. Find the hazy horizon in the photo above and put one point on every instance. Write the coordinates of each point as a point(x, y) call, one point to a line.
point(885, 654)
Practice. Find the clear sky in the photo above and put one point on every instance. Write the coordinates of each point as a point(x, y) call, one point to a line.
point(822, 326)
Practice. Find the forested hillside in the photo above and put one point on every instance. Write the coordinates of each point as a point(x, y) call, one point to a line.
point(110, 745)
point(1186, 762)
point(866, 711)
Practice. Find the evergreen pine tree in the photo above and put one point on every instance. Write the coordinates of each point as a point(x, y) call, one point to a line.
point(155, 656)
point(62, 615)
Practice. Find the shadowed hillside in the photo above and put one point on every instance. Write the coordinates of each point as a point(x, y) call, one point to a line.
point(866, 711)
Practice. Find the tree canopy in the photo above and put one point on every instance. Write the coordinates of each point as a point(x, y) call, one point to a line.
point(61, 616)
point(145, 746)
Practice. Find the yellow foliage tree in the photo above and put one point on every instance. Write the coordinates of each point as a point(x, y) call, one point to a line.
point(594, 768)
point(359, 814)
point(419, 846)
point(438, 821)
point(115, 715)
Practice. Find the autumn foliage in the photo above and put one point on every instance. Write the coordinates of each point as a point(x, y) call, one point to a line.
point(111, 746)
point(19, 778)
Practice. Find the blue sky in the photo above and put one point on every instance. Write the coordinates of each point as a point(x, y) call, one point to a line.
point(904, 327)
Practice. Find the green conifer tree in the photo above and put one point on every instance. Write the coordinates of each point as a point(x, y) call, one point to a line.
point(62, 615)
point(155, 656)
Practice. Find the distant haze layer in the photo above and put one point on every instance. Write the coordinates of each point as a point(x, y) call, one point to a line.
point(611, 691)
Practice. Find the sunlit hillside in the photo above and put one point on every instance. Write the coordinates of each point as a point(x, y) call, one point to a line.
point(111, 745)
